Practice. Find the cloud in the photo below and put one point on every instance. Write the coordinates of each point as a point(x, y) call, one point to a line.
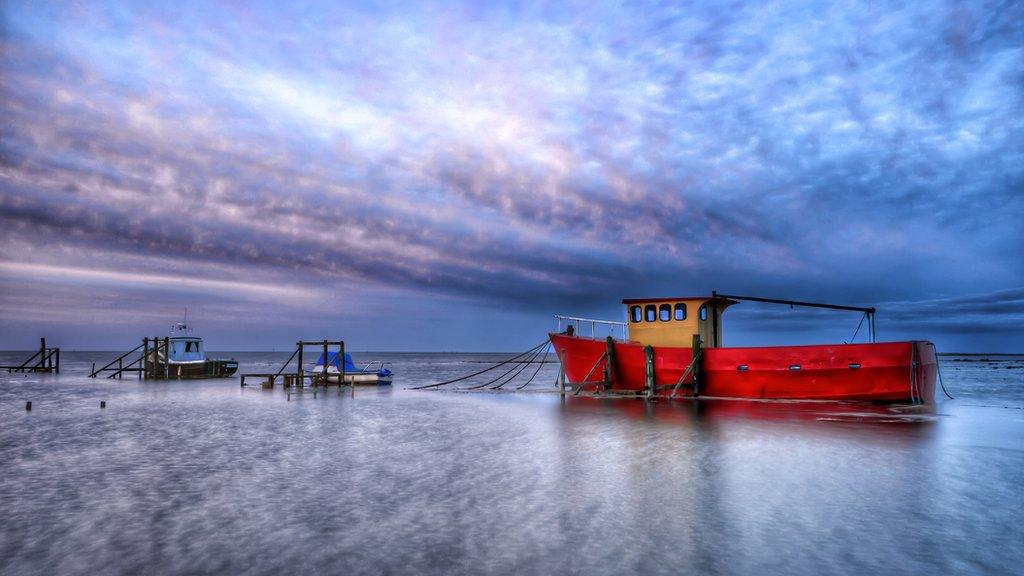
point(87, 276)
point(523, 156)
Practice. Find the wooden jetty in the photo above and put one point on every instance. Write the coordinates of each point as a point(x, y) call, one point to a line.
point(299, 376)
point(48, 361)
point(144, 365)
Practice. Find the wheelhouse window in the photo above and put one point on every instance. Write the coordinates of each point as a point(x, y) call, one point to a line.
point(635, 314)
point(665, 312)
point(650, 313)
point(704, 312)
point(680, 311)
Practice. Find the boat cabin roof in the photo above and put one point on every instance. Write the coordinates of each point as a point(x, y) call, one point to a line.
point(716, 299)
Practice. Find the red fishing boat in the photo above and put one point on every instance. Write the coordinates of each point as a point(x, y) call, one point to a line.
point(672, 347)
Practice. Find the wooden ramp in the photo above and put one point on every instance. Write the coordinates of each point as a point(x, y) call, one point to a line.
point(44, 360)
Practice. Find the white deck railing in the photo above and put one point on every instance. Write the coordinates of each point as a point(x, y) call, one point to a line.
point(577, 323)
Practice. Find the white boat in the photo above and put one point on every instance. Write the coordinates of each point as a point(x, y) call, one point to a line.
point(372, 373)
point(187, 357)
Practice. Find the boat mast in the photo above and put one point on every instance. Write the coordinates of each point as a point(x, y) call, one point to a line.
point(869, 311)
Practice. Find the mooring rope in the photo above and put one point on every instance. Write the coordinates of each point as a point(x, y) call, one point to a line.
point(539, 366)
point(506, 373)
point(452, 381)
point(913, 373)
point(522, 367)
point(491, 381)
point(938, 370)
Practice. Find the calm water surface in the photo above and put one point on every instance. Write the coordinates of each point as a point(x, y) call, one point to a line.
point(208, 477)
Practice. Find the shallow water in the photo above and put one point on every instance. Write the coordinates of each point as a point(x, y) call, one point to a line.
point(209, 477)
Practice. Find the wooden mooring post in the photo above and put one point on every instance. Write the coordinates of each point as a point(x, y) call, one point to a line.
point(326, 362)
point(649, 371)
point(561, 373)
point(698, 356)
point(609, 363)
point(341, 366)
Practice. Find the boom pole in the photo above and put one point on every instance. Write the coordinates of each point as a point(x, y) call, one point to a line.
point(868, 310)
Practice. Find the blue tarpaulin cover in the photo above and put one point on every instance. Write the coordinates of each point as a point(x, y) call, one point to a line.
point(350, 368)
point(332, 360)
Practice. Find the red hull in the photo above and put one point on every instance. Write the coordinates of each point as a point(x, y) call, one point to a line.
point(881, 372)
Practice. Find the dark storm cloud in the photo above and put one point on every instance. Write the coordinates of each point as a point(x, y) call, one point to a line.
point(527, 156)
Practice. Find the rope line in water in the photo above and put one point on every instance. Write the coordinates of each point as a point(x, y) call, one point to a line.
point(521, 368)
point(488, 369)
point(492, 380)
point(938, 370)
point(540, 365)
point(913, 374)
point(499, 377)
point(506, 373)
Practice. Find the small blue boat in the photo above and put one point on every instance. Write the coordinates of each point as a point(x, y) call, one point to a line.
point(372, 373)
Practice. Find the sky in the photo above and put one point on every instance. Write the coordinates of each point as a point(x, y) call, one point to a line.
point(447, 176)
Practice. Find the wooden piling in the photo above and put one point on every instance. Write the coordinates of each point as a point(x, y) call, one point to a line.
point(609, 362)
point(649, 386)
point(298, 370)
point(103, 403)
point(28, 406)
point(341, 365)
point(325, 363)
point(561, 373)
point(649, 372)
point(697, 358)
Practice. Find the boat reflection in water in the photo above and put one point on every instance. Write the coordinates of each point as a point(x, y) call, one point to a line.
point(705, 410)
